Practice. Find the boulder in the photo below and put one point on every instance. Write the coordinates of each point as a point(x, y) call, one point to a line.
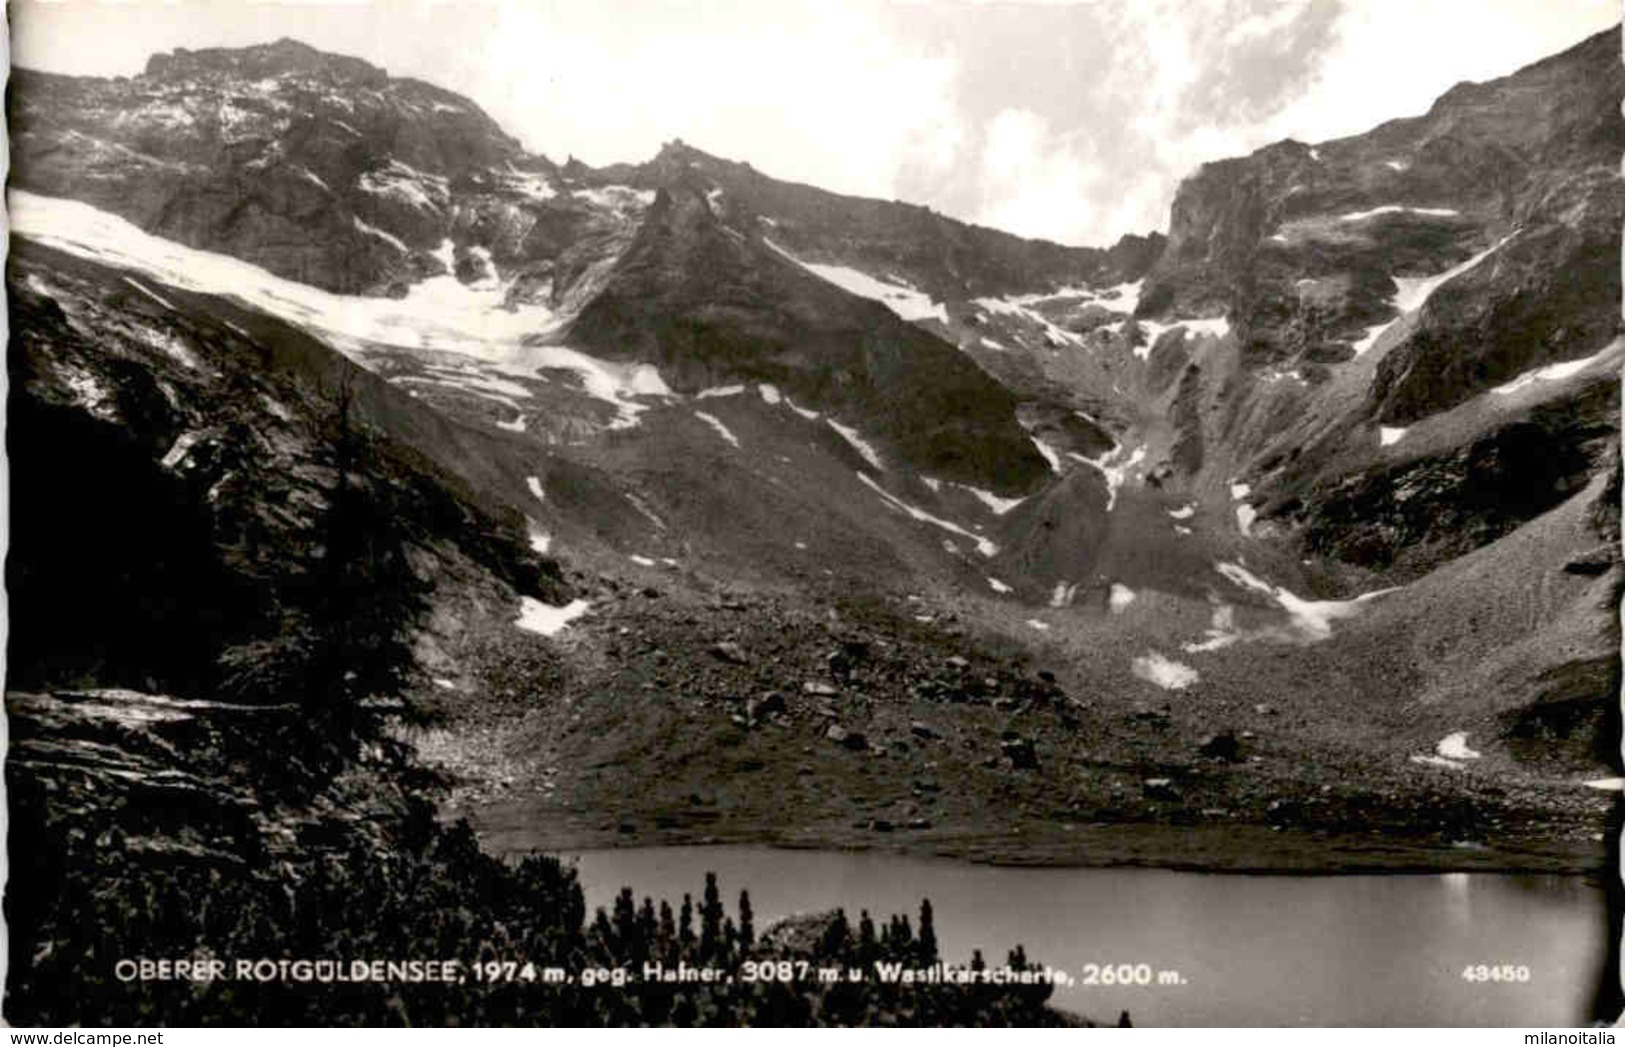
point(1221, 746)
point(730, 652)
point(1020, 753)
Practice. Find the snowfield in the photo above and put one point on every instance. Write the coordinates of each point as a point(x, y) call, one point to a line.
point(439, 313)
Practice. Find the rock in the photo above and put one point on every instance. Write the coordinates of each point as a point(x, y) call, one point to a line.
point(1221, 746)
point(921, 730)
point(731, 652)
point(919, 823)
point(1160, 789)
point(854, 740)
point(958, 662)
point(1264, 709)
point(766, 705)
point(1020, 753)
point(880, 825)
point(1596, 561)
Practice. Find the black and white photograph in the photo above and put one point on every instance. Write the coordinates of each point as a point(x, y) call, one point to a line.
point(856, 513)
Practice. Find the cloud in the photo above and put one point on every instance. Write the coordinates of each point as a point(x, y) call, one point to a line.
point(805, 92)
point(1027, 180)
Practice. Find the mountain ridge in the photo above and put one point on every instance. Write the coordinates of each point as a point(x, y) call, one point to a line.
point(818, 469)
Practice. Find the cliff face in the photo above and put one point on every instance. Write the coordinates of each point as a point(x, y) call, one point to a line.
point(1311, 248)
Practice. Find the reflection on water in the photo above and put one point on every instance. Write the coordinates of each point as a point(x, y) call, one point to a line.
point(1249, 950)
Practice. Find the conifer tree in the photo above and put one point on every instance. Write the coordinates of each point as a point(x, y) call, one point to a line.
point(747, 926)
point(928, 933)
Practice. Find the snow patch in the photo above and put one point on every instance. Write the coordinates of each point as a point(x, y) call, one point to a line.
point(1040, 625)
point(1164, 671)
point(716, 423)
point(515, 426)
point(535, 486)
point(983, 545)
point(1018, 306)
point(1414, 291)
point(905, 300)
point(811, 416)
point(374, 231)
point(1312, 618)
point(1454, 747)
point(859, 444)
point(1063, 595)
point(719, 390)
point(1551, 372)
point(1220, 634)
point(178, 450)
point(617, 197)
point(1115, 474)
point(1121, 596)
point(1216, 326)
point(1431, 212)
point(149, 293)
point(1184, 512)
point(1000, 506)
point(770, 393)
point(545, 619)
point(1389, 435)
point(1048, 452)
point(1436, 761)
point(641, 561)
point(998, 586)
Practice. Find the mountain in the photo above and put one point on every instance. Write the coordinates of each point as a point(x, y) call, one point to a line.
point(749, 511)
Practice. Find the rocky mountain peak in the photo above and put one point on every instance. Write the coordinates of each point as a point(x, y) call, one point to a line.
point(282, 57)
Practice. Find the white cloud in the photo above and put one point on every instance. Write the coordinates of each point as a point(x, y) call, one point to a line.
point(1033, 185)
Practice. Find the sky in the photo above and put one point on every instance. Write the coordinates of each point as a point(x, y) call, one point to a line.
point(1069, 121)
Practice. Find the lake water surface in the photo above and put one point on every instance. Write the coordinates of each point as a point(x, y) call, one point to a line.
point(1248, 950)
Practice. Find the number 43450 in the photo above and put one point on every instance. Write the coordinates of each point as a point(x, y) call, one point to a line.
point(1505, 972)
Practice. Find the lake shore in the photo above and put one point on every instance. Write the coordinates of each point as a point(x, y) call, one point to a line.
point(514, 828)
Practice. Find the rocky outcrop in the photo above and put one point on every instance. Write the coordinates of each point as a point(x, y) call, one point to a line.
point(1302, 245)
point(708, 305)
